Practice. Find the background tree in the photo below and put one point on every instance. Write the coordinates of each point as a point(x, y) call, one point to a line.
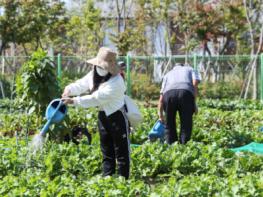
point(8, 23)
point(253, 12)
point(188, 26)
point(30, 22)
point(85, 31)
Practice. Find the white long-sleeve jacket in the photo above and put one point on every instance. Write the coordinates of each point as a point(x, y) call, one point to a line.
point(109, 97)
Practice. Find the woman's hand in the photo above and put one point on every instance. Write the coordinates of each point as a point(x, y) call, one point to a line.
point(66, 93)
point(67, 101)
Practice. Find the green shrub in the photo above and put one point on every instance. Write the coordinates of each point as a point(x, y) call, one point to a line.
point(143, 88)
point(37, 82)
point(220, 90)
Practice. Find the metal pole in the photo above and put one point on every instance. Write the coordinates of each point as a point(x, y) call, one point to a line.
point(59, 67)
point(128, 74)
point(2, 90)
point(261, 76)
point(51, 53)
point(195, 61)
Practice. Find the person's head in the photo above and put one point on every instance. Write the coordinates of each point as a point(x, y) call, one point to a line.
point(105, 59)
point(99, 76)
point(104, 66)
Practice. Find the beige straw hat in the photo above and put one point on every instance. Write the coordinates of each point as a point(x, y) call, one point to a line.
point(106, 59)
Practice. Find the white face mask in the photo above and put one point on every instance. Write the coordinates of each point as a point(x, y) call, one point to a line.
point(101, 72)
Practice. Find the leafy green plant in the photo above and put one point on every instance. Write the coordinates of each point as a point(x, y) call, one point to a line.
point(205, 166)
point(230, 105)
point(37, 82)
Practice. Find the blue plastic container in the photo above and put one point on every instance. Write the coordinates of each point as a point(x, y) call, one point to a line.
point(157, 131)
point(55, 112)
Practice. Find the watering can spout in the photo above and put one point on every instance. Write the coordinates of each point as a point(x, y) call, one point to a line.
point(45, 128)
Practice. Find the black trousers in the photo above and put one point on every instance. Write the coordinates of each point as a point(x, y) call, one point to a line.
point(114, 143)
point(183, 102)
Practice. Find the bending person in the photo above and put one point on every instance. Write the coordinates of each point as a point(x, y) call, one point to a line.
point(178, 94)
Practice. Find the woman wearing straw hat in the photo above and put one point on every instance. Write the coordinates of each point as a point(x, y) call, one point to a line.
point(106, 88)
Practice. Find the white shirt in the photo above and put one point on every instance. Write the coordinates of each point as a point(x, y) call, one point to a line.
point(109, 96)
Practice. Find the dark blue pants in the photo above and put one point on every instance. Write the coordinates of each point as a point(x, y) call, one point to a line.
point(114, 143)
point(181, 101)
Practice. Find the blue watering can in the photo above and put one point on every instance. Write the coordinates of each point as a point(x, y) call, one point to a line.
point(157, 131)
point(55, 113)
